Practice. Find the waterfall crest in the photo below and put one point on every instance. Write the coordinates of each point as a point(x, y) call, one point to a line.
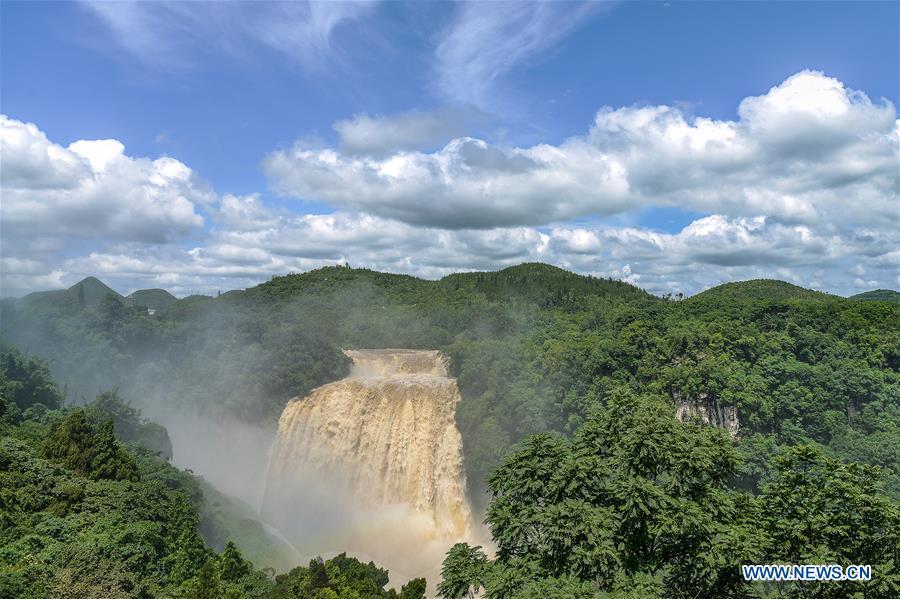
point(379, 457)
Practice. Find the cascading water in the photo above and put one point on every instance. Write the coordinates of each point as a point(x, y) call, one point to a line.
point(373, 464)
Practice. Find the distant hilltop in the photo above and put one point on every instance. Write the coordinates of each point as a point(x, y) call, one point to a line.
point(91, 291)
point(533, 279)
point(878, 295)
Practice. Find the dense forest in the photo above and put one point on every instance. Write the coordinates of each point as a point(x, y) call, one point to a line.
point(570, 389)
point(640, 505)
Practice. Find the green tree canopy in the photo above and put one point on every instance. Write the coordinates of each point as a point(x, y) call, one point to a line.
point(26, 381)
point(640, 504)
point(78, 445)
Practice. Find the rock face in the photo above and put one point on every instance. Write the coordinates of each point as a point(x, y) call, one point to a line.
point(708, 410)
point(376, 451)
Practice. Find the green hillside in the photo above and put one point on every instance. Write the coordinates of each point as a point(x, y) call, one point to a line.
point(335, 278)
point(540, 283)
point(878, 295)
point(155, 299)
point(88, 292)
point(530, 282)
point(761, 290)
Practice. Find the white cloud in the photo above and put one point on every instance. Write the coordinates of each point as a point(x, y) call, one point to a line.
point(416, 130)
point(92, 188)
point(244, 213)
point(708, 251)
point(169, 34)
point(467, 184)
point(803, 186)
point(808, 151)
point(18, 276)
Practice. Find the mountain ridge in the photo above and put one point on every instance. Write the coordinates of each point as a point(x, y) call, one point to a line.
point(514, 278)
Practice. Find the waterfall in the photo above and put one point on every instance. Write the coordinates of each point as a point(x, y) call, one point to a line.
point(372, 464)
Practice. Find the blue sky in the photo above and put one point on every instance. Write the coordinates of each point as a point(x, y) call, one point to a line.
point(248, 99)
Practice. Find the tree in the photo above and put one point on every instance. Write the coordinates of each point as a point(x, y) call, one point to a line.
point(26, 381)
point(129, 425)
point(9, 411)
point(232, 565)
point(463, 572)
point(71, 443)
point(110, 461)
point(207, 583)
point(95, 453)
point(414, 589)
point(819, 510)
point(109, 405)
point(635, 494)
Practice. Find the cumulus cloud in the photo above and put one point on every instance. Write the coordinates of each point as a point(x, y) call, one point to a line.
point(415, 130)
point(706, 252)
point(807, 151)
point(92, 188)
point(801, 186)
point(231, 258)
point(245, 213)
point(168, 34)
point(467, 184)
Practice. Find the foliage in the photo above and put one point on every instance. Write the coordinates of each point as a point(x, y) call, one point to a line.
point(88, 450)
point(84, 515)
point(155, 299)
point(463, 572)
point(26, 381)
point(878, 295)
point(536, 351)
point(763, 290)
point(818, 510)
point(106, 536)
point(343, 577)
point(129, 425)
point(638, 504)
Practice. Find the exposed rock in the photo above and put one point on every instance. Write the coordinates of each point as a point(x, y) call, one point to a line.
point(708, 410)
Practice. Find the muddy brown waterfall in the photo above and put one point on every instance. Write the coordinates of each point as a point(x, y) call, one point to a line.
point(373, 464)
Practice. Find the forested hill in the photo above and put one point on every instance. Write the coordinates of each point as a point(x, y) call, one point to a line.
point(155, 299)
point(762, 290)
point(87, 292)
point(878, 295)
point(531, 282)
point(535, 348)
